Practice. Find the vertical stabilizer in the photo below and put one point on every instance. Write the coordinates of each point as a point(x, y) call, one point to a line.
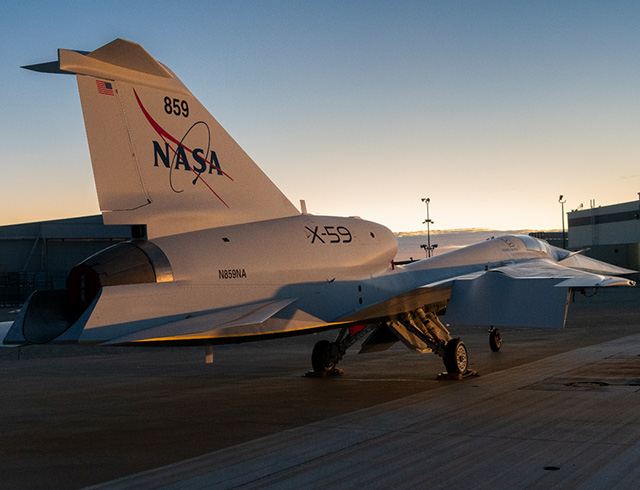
point(159, 158)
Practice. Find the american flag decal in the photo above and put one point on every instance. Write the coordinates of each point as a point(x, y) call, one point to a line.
point(104, 88)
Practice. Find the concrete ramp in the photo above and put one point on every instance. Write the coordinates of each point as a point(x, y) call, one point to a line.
point(567, 421)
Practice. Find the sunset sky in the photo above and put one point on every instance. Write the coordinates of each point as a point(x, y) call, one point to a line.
point(492, 109)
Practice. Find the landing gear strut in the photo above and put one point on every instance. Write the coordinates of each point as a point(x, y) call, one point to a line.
point(420, 330)
point(429, 334)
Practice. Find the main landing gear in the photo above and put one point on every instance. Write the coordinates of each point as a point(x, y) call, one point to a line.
point(326, 354)
point(419, 330)
point(456, 357)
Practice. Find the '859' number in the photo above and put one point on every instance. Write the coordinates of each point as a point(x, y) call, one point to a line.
point(176, 106)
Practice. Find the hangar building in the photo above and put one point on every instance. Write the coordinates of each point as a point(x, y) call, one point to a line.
point(612, 233)
point(40, 255)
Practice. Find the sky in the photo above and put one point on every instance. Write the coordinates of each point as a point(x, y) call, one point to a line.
point(492, 109)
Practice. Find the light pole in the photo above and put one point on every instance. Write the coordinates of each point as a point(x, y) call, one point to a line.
point(564, 240)
point(428, 221)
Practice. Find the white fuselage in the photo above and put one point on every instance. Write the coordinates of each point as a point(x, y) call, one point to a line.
point(331, 266)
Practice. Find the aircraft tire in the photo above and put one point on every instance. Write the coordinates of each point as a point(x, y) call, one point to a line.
point(323, 357)
point(456, 357)
point(495, 340)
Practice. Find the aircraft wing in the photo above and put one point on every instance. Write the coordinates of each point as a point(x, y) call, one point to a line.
point(547, 269)
point(269, 318)
point(274, 318)
point(436, 294)
point(534, 293)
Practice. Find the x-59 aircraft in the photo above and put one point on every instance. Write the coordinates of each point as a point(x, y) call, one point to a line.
point(223, 256)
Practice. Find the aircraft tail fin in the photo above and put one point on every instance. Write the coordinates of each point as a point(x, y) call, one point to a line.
point(159, 158)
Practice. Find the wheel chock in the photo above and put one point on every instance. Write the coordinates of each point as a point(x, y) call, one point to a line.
point(323, 374)
point(456, 376)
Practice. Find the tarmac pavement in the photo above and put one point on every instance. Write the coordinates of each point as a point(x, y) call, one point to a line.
point(73, 416)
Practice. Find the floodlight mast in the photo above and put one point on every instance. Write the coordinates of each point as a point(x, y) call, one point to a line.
point(429, 249)
point(564, 240)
